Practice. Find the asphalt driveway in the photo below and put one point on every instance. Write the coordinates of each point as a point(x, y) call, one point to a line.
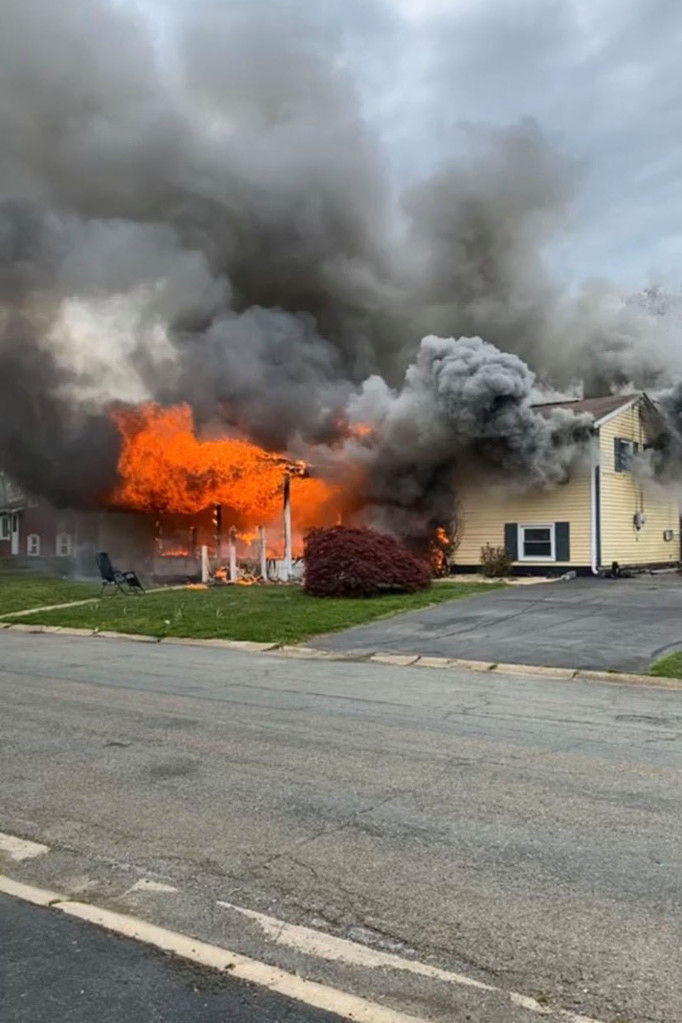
point(606, 624)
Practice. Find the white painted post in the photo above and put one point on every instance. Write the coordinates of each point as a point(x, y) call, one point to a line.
point(232, 555)
point(287, 529)
point(205, 570)
point(263, 553)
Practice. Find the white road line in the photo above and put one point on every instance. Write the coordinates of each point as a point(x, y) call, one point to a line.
point(320, 996)
point(310, 992)
point(27, 893)
point(526, 1002)
point(145, 885)
point(317, 944)
point(328, 946)
point(21, 848)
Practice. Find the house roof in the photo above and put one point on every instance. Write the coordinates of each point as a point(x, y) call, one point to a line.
point(598, 408)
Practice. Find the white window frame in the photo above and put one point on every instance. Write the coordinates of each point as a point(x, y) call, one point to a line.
point(551, 526)
point(33, 541)
point(5, 526)
point(58, 544)
point(15, 534)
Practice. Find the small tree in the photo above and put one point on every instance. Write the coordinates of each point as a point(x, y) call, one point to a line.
point(344, 562)
point(495, 562)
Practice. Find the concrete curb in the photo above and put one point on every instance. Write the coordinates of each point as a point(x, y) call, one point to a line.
point(227, 644)
point(396, 659)
point(399, 660)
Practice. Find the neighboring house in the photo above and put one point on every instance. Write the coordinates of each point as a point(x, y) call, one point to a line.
point(604, 513)
point(32, 529)
point(38, 537)
point(34, 535)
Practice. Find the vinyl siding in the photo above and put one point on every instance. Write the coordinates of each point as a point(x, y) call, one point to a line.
point(622, 495)
point(483, 513)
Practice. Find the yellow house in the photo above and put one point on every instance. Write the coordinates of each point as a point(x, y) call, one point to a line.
point(603, 514)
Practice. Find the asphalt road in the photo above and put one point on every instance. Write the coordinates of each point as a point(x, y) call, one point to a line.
point(604, 624)
point(54, 969)
point(523, 832)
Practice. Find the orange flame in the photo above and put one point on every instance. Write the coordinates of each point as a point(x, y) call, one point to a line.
point(164, 467)
point(440, 547)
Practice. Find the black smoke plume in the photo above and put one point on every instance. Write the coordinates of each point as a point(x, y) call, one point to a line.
point(207, 217)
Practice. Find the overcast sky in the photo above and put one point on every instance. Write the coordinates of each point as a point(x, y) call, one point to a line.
point(602, 77)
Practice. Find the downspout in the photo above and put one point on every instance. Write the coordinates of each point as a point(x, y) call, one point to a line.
point(595, 516)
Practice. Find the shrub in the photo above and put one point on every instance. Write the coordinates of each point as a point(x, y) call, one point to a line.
point(342, 562)
point(495, 562)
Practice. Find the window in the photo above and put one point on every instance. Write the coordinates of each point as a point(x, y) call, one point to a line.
point(623, 453)
point(63, 545)
point(5, 527)
point(33, 545)
point(537, 543)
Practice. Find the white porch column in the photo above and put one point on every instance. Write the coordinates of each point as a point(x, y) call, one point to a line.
point(287, 528)
point(263, 553)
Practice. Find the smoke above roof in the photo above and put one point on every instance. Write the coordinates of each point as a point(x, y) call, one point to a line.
point(209, 218)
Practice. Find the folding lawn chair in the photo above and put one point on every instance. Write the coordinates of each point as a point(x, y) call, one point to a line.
point(124, 582)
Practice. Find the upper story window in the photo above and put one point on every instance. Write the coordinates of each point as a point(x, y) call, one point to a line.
point(33, 545)
point(63, 545)
point(623, 453)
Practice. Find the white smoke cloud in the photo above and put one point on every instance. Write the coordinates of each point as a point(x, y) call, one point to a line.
point(97, 340)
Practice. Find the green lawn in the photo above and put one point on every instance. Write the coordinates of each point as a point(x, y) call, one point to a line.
point(268, 614)
point(668, 667)
point(19, 591)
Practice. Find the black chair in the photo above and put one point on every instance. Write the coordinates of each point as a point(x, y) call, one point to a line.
point(124, 582)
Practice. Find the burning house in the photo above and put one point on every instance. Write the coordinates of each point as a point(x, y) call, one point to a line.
point(179, 499)
point(222, 495)
point(205, 283)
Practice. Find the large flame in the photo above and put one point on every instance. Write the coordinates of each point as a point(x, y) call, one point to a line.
point(165, 467)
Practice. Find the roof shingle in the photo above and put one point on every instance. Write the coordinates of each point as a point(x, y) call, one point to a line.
point(596, 407)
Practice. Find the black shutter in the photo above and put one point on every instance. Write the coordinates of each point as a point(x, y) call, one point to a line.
point(511, 540)
point(562, 533)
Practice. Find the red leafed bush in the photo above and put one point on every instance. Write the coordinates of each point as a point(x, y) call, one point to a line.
point(341, 562)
